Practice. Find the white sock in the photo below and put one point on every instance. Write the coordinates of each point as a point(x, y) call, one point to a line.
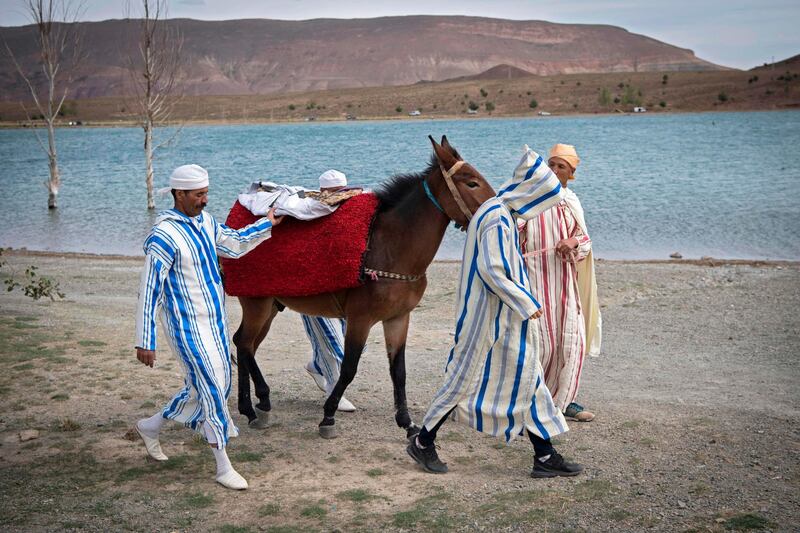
point(220, 455)
point(152, 426)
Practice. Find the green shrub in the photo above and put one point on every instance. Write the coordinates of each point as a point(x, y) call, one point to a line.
point(533, 103)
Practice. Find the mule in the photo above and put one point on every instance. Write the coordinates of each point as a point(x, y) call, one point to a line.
point(413, 213)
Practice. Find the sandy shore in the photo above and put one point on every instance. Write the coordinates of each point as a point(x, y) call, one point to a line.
point(696, 395)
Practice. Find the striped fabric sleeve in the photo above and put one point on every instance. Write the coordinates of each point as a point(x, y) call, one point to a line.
point(584, 244)
point(159, 256)
point(234, 243)
point(495, 263)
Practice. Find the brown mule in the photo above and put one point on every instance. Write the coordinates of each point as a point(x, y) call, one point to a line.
point(412, 216)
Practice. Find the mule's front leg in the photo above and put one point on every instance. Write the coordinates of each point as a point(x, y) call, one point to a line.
point(395, 332)
point(354, 340)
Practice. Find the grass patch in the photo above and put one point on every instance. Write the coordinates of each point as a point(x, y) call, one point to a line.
point(357, 495)
point(67, 425)
point(746, 521)
point(23, 366)
point(630, 424)
point(314, 511)
point(593, 489)
point(147, 405)
point(619, 515)
point(269, 509)
point(26, 318)
point(332, 459)
point(372, 472)
point(247, 457)
point(60, 397)
point(92, 343)
point(197, 500)
point(229, 528)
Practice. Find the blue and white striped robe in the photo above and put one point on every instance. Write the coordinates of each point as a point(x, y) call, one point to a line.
point(493, 378)
point(181, 282)
point(327, 344)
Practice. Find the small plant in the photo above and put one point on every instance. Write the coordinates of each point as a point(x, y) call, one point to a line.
point(528, 93)
point(664, 79)
point(292, 107)
point(533, 103)
point(722, 96)
point(399, 109)
point(472, 105)
point(617, 100)
point(34, 285)
point(484, 93)
point(489, 106)
point(662, 103)
point(577, 84)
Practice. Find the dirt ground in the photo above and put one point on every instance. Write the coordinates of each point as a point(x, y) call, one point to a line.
point(696, 394)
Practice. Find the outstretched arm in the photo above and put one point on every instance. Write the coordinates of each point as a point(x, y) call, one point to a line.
point(234, 243)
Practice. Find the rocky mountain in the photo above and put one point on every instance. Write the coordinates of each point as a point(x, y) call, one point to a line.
point(259, 56)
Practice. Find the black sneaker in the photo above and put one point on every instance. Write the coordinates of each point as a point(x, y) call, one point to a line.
point(427, 458)
point(554, 466)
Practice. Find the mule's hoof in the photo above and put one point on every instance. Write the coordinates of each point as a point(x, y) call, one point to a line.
point(412, 430)
point(327, 432)
point(262, 420)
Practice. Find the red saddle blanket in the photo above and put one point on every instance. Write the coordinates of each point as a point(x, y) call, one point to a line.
point(303, 257)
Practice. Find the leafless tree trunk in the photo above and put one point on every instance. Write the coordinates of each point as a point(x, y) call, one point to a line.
point(59, 38)
point(155, 72)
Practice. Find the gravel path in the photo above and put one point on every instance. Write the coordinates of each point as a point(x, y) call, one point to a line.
point(696, 395)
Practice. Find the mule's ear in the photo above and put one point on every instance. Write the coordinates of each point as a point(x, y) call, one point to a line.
point(442, 154)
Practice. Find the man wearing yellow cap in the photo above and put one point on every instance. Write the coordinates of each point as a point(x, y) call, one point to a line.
point(558, 253)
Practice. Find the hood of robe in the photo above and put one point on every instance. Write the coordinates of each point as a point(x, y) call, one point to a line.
point(533, 189)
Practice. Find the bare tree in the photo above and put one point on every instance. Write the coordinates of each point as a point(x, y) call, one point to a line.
point(155, 76)
point(58, 37)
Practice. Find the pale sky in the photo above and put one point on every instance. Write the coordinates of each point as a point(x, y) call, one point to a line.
point(734, 33)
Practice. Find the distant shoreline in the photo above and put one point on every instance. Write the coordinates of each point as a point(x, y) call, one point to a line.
point(327, 120)
point(706, 261)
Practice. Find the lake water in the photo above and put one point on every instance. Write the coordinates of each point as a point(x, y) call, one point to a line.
point(718, 184)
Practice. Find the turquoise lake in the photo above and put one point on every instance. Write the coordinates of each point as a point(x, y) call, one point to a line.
point(715, 184)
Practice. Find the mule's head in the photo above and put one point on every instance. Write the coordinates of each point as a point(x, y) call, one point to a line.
point(468, 188)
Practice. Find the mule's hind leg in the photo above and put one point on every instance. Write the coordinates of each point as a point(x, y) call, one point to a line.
point(255, 315)
point(262, 389)
point(354, 340)
point(395, 332)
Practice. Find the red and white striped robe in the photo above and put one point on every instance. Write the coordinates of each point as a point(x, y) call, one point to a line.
point(562, 335)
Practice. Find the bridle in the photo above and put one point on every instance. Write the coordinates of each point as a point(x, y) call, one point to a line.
point(374, 275)
point(448, 179)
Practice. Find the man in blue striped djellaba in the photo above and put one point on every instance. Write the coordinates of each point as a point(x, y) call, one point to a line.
point(493, 377)
point(181, 283)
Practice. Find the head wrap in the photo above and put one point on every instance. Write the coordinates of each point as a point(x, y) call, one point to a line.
point(332, 178)
point(567, 153)
point(187, 178)
point(533, 189)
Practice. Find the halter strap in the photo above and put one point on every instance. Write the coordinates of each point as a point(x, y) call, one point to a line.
point(431, 197)
point(448, 179)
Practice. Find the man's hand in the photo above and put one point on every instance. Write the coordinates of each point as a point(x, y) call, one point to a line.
point(567, 246)
point(147, 357)
point(274, 219)
point(536, 315)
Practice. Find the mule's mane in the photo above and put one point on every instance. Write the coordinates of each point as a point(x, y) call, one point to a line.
point(392, 191)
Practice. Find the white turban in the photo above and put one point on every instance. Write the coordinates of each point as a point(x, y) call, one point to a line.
point(187, 178)
point(332, 178)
